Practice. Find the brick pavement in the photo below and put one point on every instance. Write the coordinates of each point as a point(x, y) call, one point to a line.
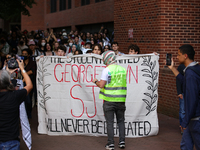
point(168, 138)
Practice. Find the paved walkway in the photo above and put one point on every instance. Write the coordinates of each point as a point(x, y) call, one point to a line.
point(168, 138)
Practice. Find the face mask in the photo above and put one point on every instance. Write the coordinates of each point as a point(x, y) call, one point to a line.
point(70, 44)
point(25, 57)
point(21, 43)
point(43, 44)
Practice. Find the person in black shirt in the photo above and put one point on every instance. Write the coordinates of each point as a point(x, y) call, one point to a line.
point(30, 68)
point(10, 101)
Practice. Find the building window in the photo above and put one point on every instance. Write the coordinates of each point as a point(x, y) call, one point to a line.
point(96, 1)
point(62, 5)
point(69, 4)
point(53, 5)
point(85, 2)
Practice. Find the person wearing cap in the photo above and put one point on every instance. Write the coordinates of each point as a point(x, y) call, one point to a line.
point(32, 47)
point(113, 92)
point(64, 33)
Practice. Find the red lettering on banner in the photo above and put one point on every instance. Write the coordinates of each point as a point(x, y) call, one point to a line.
point(73, 71)
point(77, 99)
point(66, 72)
point(90, 74)
point(95, 71)
point(129, 71)
point(79, 72)
point(55, 73)
point(94, 101)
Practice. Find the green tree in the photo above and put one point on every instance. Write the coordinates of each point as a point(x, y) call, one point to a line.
point(12, 9)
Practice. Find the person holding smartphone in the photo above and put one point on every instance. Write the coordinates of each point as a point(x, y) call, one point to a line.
point(191, 94)
point(10, 100)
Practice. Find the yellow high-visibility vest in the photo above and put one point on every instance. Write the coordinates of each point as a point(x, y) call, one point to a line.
point(116, 90)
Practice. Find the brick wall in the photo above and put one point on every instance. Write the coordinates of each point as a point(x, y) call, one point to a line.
point(161, 26)
point(36, 20)
point(42, 18)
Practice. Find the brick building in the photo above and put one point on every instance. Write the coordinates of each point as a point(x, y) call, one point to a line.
point(154, 25)
point(85, 15)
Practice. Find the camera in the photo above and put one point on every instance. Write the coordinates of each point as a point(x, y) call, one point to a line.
point(12, 63)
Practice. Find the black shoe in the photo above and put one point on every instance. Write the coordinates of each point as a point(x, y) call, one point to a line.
point(121, 144)
point(110, 146)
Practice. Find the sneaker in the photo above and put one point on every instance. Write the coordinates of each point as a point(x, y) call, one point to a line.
point(121, 144)
point(110, 146)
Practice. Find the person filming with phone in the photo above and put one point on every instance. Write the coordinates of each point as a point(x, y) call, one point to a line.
point(191, 94)
point(10, 100)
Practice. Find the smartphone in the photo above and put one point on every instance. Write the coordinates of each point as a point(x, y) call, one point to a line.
point(21, 57)
point(168, 59)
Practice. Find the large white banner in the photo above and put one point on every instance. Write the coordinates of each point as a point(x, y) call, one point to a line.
point(69, 104)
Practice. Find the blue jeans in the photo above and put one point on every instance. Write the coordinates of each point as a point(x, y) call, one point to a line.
point(10, 145)
point(191, 136)
point(117, 108)
point(181, 110)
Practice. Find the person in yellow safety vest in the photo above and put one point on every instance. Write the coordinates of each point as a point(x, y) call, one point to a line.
point(113, 92)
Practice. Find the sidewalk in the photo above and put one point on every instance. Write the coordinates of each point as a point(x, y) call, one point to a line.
point(168, 138)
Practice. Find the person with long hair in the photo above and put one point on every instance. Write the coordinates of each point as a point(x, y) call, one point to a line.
point(97, 49)
point(48, 50)
point(42, 43)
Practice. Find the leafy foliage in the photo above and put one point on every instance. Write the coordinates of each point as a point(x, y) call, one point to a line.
point(41, 74)
point(12, 9)
point(150, 73)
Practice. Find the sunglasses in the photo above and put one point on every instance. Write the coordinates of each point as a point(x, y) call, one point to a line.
point(9, 57)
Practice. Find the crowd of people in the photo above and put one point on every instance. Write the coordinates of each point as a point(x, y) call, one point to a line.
point(47, 43)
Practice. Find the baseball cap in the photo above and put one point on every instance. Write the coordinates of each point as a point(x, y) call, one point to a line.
point(31, 42)
point(64, 34)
